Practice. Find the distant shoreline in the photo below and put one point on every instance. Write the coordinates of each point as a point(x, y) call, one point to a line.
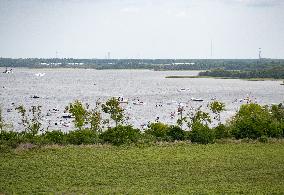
point(200, 77)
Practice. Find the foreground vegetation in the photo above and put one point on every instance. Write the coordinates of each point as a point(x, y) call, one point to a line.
point(244, 168)
point(252, 121)
point(161, 159)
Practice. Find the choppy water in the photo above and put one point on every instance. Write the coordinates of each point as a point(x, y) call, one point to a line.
point(58, 87)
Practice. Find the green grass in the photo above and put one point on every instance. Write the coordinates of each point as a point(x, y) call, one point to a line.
point(249, 168)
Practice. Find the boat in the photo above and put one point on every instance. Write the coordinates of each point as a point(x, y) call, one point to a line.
point(172, 102)
point(138, 103)
point(121, 100)
point(197, 99)
point(35, 97)
point(67, 116)
point(183, 90)
point(39, 74)
point(8, 71)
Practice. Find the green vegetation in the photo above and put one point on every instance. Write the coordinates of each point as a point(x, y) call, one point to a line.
point(251, 121)
point(274, 73)
point(151, 64)
point(160, 160)
point(244, 168)
point(115, 111)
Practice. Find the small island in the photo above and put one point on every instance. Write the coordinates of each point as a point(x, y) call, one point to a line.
point(274, 73)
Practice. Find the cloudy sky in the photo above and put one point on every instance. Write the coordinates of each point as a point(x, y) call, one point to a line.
point(142, 28)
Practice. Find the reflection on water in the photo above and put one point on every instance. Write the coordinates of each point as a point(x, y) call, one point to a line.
point(56, 88)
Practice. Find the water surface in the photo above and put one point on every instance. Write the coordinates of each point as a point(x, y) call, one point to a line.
point(58, 87)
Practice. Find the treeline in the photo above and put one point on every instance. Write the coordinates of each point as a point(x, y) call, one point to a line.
point(252, 121)
point(276, 73)
point(155, 64)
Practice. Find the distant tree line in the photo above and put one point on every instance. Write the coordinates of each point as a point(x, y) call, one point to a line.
point(275, 72)
point(154, 64)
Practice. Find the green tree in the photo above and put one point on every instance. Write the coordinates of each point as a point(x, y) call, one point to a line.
point(80, 113)
point(113, 108)
point(31, 119)
point(217, 107)
point(95, 118)
point(198, 116)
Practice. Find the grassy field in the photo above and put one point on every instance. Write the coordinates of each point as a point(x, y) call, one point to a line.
point(249, 168)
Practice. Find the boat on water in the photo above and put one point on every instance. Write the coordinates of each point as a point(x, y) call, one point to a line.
point(183, 90)
point(138, 103)
point(121, 100)
point(8, 71)
point(35, 97)
point(39, 74)
point(196, 99)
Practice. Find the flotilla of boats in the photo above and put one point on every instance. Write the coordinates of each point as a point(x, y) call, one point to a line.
point(8, 71)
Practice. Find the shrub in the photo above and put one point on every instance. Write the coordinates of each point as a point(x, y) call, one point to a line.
point(159, 130)
point(263, 139)
point(201, 133)
point(54, 137)
point(221, 131)
point(31, 119)
point(9, 138)
point(146, 139)
point(176, 133)
point(275, 129)
point(121, 135)
point(84, 136)
point(253, 121)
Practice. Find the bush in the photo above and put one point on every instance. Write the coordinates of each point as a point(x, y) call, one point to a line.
point(159, 130)
point(221, 131)
point(253, 121)
point(275, 129)
point(146, 139)
point(10, 138)
point(54, 137)
point(263, 139)
point(176, 133)
point(121, 135)
point(84, 136)
point(201, 133)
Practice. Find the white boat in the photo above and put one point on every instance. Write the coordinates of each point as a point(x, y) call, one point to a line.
point(183, 90)
point(138, 103)
point(121, 100)
point(39, 74)
point(197, 99)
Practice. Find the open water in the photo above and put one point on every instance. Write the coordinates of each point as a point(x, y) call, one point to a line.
point(160, 96)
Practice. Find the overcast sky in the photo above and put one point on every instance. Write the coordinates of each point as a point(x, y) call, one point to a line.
point(142, 28)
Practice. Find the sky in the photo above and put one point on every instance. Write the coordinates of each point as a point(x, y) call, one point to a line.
point(142, 28)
